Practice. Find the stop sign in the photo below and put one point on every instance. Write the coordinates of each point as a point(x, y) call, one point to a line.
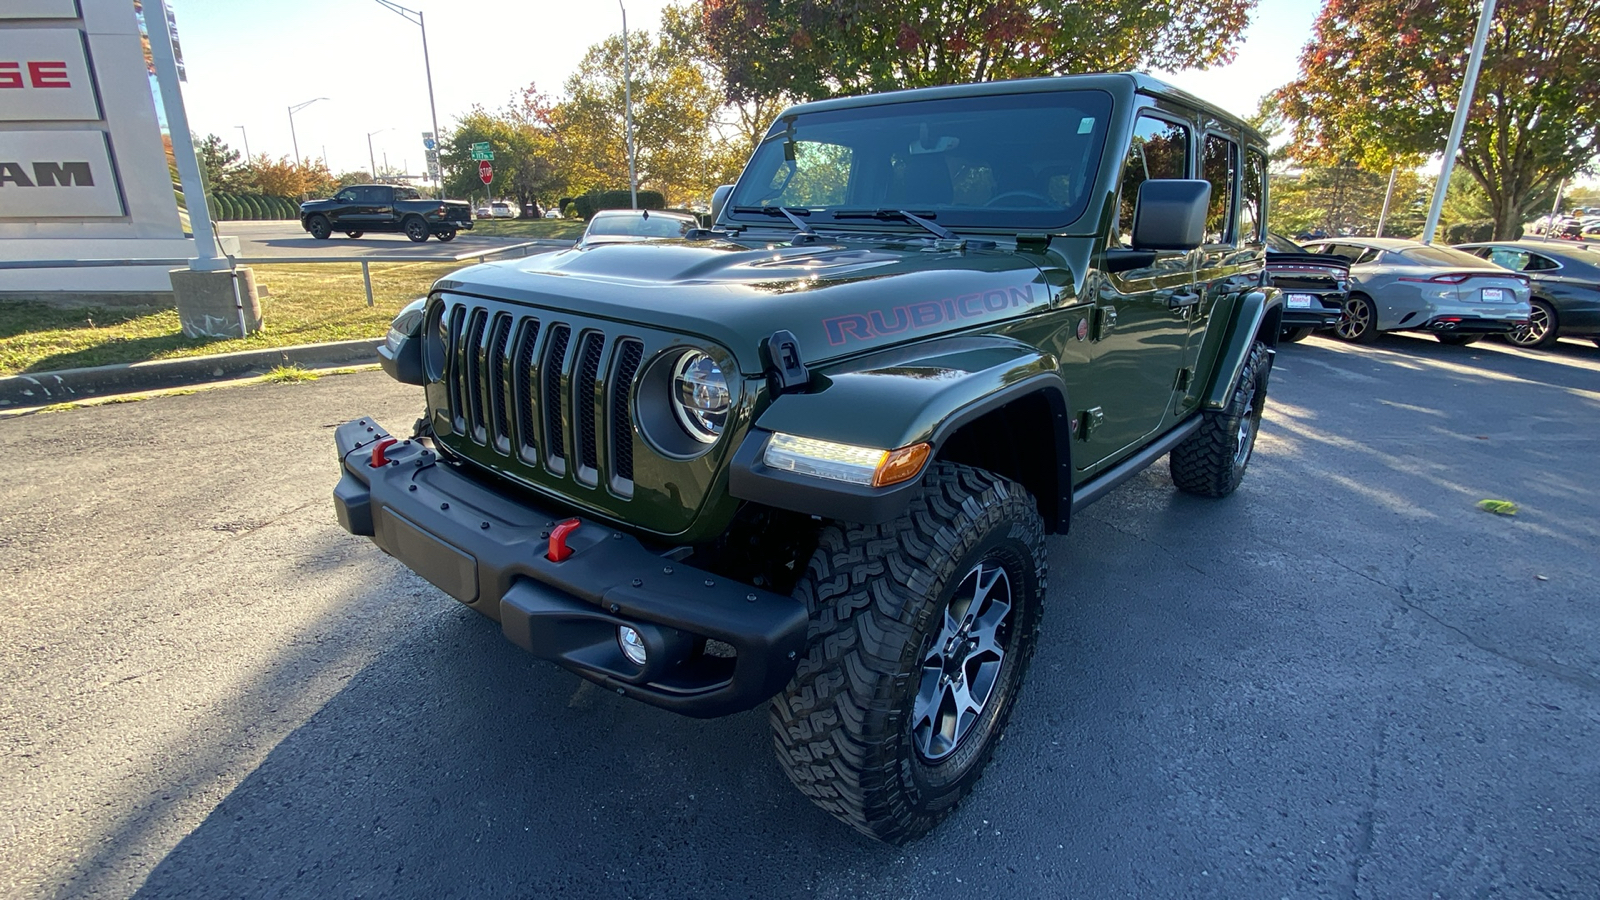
point(485, 172)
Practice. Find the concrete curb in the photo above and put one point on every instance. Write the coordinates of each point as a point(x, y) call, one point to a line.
point(77, 384)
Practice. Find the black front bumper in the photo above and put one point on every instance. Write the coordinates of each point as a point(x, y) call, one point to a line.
point(489, 552)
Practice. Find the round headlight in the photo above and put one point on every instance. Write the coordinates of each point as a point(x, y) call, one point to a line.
point(700, 396)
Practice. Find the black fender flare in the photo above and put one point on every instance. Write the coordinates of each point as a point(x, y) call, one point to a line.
point(1257, 315)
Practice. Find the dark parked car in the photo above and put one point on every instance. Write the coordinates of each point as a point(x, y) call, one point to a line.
point(361, 208)
point(1399, 285)
point(1566, 288)
point(1314, 285)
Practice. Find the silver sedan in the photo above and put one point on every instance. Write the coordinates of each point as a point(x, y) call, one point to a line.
point(1399, 285)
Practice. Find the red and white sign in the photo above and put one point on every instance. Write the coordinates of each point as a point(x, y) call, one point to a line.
point(44, 77)
point(485, 172)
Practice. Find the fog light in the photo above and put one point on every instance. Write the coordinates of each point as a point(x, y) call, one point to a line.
point(632, 645)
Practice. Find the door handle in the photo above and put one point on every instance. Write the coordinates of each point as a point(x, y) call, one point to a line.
point(1179, 301)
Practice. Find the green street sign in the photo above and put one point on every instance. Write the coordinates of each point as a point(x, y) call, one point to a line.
point(480, 150)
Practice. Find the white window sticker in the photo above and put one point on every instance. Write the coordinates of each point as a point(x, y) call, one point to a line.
point(1086, 124)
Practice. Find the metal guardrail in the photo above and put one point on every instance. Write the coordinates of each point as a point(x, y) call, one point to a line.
point(513, 251)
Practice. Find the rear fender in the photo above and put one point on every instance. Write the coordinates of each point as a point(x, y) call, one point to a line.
point(1257, 316)
point(897, 398)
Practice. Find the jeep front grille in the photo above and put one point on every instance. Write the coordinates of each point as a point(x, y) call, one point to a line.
point(553, 395)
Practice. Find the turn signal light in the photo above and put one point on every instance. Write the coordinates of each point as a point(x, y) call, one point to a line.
point(901, 465)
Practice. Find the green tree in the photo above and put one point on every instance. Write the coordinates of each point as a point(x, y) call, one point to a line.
point(675, 109)
point(1346, 198)
point(522, 136)
point(220, 169)
point(1380, 81)
point(345, 179)
point(824, 48)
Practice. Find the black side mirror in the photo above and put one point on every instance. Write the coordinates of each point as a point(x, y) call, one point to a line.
point(1171, 214)
point(719, 199)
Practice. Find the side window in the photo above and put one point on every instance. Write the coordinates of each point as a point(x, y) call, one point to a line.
point(1515, 260)
point(1160, 149)
point(1368, 255)
point(1537, 263)
point(1251, 221)
point(348, 195)
point(1220, 165)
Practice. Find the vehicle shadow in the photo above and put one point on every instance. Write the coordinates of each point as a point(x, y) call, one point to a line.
point(457, 765)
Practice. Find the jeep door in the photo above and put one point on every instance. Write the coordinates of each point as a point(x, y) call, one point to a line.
point(1233, 257)
point(1140, 327)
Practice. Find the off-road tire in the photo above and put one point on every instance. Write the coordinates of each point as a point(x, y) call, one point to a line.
point(877, 595)
point(1356, 326)
point(446, 236)
point(1294, 335)
point(415, 228)
point(319, 227)
point(1211, 462)
point(1459, 340)
point(352, 235)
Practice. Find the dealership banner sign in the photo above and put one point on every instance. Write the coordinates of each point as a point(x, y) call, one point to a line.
point(50, 174)
point(44, 76)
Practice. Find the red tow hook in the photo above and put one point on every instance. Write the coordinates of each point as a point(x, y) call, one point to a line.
point(379, 457)
point(559, 551)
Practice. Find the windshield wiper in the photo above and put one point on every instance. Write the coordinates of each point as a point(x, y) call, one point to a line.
point(938, 231)
point(787, 212)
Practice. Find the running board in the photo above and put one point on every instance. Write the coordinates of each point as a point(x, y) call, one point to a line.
point(1101, 484)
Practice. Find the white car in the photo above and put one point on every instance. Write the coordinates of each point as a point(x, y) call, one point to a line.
point(497, 210)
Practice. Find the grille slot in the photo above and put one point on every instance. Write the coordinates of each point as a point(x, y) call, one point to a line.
point(629, 355)
point(453, 365)
point(523, 375)
point(499, 421)
point(584, 399)
point(555, 434)
point(472, 347)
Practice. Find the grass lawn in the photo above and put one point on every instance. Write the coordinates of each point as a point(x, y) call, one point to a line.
point(569, 229)
point(307, 304)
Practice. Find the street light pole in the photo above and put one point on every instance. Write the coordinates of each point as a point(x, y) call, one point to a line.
point(292, 136)
point(1463, 107)
point(247, 159)
point(427, 67)
point(371, 160)
point(627, 109)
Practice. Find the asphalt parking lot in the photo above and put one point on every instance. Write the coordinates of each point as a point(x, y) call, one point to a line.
point(1344, 681)
point(288, 239)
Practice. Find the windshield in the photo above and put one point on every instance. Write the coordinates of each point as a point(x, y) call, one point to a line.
point(639, 226)
point(1280, 244)
point(1019, 162)
point(1442, 256)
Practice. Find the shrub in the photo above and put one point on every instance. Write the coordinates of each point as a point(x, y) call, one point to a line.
point(594, 201)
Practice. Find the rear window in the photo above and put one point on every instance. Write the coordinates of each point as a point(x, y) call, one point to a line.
point(1441, 256)
point(639, 226)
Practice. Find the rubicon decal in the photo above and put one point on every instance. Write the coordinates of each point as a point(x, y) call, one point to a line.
point(926, 314)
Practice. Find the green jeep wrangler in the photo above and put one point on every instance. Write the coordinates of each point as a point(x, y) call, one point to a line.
point(809, 457)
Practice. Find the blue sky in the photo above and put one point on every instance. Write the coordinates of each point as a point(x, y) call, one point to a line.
point(249, 60)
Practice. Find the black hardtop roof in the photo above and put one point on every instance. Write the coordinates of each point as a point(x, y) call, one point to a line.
point(1119, 84)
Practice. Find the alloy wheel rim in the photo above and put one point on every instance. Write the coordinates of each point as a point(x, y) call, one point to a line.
point(961, 667)
point(1357, 317)
point(1247, 427)
point(1533, 332)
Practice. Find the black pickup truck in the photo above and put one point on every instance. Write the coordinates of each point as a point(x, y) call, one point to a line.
point(1315, 287)
point(361, 208)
